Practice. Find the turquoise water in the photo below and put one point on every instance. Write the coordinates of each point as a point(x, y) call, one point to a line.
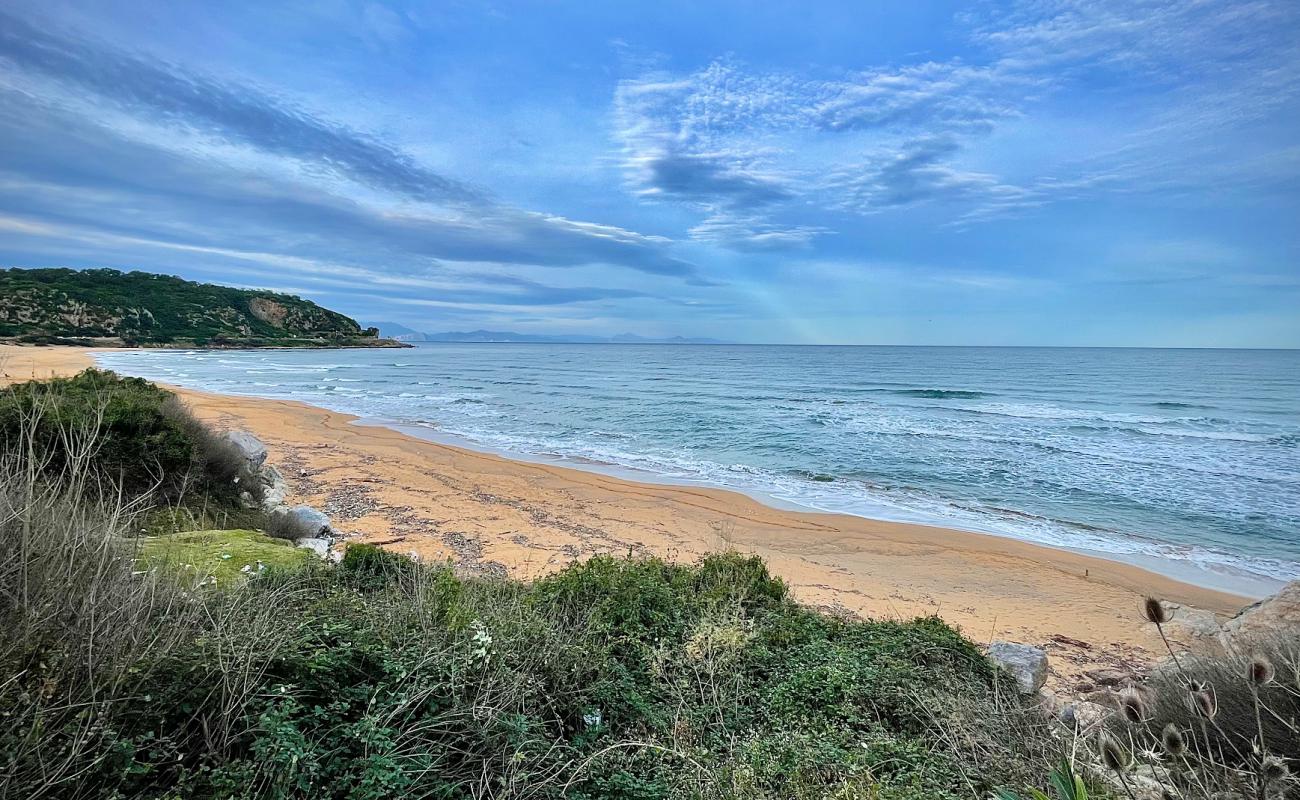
point(1191, 457)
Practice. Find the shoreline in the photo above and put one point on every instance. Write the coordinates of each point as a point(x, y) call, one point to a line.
point(502, 515)
point(1248, 586)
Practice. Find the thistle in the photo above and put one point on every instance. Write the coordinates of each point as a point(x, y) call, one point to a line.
point(1113, 754)
point(1158, 615)
point(1274, 771)
point(1155, 611)
point(1203, 700)
point(1173, 741)
point(1133, 706)
point(1260, 671)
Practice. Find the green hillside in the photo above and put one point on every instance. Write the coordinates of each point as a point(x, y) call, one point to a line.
point(140, 308)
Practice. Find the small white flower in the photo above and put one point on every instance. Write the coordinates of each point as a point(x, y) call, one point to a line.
point(482, 640)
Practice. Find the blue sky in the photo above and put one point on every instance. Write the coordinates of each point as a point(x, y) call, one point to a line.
point(1042, 172)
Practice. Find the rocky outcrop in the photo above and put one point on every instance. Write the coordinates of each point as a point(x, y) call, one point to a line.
point(250, 447)
point(1191, 626)
point(1274, 618)
point(274, 488)
point(305, 526)
point(1025, 663)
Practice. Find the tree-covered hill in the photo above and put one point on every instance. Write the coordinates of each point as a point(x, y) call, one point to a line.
point(141, 308)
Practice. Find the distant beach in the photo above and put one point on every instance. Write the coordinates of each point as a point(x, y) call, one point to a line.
point(444, 502)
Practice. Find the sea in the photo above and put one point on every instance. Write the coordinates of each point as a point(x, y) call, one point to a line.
point(1183, 461)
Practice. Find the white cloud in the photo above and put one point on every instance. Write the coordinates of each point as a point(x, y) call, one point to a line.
point(745, 147)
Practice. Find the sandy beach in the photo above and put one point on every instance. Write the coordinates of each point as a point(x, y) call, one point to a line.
point(493, 514)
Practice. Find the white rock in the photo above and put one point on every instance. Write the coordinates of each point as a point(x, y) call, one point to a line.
point(321, 547)
point(301, 522)
point(1084, 715)
point(1276, 618)
point(250, 446)
point(1027, 664)
point(274, 488)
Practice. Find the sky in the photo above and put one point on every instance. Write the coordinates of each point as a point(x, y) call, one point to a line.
point(1038, 172)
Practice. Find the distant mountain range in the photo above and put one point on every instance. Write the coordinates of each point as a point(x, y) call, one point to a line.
point(392, 330)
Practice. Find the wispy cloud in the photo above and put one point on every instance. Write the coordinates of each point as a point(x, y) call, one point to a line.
point(171, 95)
point(744, 146)
point(63, 158)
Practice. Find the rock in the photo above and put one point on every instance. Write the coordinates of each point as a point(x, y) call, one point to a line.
point(252, 449)
point(1049, 702)
point(1027, 664)
point(1190, 626)
point(1084, 715)
point(1272, 619)
point(1145, 784)
point(274, 488)
point(301, 522)
point(1195, 623)
point(321, 547)
point(1169, 667)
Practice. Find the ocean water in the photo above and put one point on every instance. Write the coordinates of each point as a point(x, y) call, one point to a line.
point(1184, 458)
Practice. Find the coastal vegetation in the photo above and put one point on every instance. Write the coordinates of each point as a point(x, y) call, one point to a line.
point(147, 660)
point(106, 306)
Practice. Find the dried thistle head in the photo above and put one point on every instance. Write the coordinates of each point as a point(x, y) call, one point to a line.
point(1113, 754)
point(1274, 770)
point(1203, 700)
point(1260, 670)
point(1133, 705)
point(1173, 741)
point(1155, 611)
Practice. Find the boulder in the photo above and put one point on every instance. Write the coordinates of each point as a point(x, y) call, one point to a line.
point(321, 547)
point(1274, 618)
point(274, 488)
point(1190, 626)
point(1027, 664)
point(301, 522)
point(1084, 715)
point(252, 449)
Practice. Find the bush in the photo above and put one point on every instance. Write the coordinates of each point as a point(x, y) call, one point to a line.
point(122, 433)
point(382, 677)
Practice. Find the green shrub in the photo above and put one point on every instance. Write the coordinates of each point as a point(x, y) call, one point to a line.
point(131, 435)
point(369, 567)
point(381, 677)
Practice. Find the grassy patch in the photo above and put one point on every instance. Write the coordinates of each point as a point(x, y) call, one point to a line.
point(227, 556)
